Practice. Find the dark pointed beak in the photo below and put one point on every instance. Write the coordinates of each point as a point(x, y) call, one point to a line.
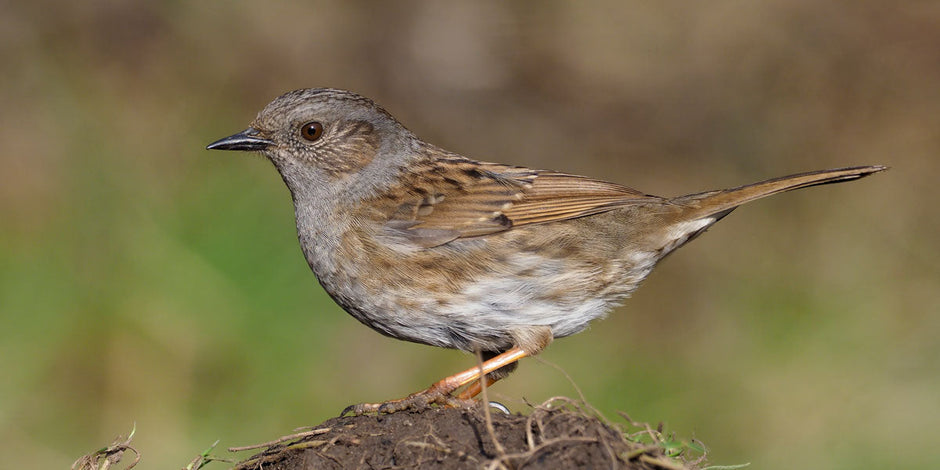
point(247, 140)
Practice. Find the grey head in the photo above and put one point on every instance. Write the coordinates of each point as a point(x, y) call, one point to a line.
point(324, 140)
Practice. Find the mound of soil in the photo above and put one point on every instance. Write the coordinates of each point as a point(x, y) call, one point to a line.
point(557, 434)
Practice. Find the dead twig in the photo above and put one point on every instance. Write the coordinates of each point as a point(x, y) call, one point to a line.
point(103, 459)
point(282, 439)
point(500, 450)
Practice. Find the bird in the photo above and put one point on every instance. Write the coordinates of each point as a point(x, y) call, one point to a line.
point(429, 246)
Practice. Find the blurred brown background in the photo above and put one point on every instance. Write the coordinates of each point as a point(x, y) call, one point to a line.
point(144, 279)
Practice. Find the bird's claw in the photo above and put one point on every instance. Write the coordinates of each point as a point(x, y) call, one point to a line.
point(416, 401)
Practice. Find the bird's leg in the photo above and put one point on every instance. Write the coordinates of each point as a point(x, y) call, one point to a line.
point(440, 392)
point(476, 387)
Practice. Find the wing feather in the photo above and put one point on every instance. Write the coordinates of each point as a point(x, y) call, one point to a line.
point(443, 200)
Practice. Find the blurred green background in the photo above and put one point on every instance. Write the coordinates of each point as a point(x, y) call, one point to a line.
point(144, 279)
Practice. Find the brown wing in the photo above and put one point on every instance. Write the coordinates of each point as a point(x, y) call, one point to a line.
point(559, 196)
point(458, 198)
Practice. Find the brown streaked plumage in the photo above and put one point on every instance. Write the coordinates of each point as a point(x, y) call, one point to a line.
point(425, 245)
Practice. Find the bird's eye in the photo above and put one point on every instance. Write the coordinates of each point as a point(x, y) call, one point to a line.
point(311, 131)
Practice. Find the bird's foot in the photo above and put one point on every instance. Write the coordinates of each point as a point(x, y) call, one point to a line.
point(434, 395)
point(441, 393)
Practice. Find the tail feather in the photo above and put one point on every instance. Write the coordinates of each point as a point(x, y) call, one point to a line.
point(720, 203)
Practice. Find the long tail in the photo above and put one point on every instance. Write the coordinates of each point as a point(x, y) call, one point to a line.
point(719, 203)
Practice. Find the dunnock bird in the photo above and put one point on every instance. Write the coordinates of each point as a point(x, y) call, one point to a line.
point(426, 245)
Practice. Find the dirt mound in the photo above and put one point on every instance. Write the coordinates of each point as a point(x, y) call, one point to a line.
point(560, 433)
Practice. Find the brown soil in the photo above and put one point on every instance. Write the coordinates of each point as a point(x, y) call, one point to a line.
point(558, 434)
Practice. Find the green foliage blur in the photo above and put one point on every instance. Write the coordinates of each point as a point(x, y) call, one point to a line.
point(144, 279)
